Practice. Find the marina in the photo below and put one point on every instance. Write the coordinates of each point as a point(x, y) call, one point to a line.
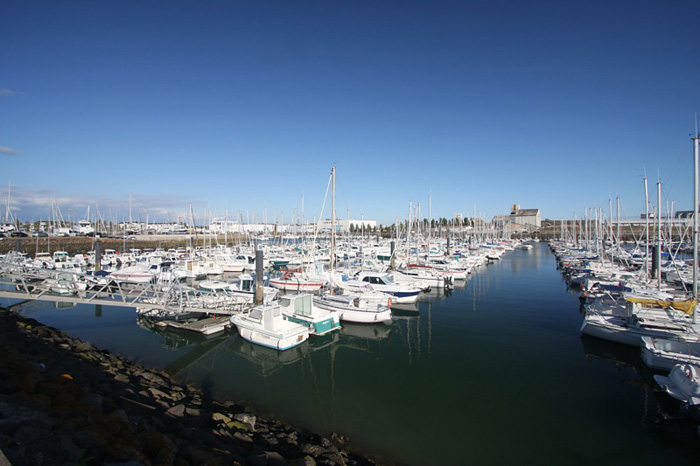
point(501, 267)
point(498, 358)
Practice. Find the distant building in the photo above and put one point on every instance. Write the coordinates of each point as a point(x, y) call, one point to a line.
point(344, 225)
point(526, 217)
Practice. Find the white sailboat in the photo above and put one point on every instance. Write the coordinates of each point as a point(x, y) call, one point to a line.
point(352, 307)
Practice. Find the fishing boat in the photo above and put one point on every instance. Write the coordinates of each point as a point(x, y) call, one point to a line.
point(299, 308)
point(265, 325)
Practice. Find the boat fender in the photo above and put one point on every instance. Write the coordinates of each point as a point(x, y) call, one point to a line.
point(388, 303)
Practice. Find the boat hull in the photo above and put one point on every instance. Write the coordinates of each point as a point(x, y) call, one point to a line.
point(270, 340)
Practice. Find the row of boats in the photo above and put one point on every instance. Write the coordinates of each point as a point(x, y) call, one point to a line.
point(622, 304)
point(301, 297)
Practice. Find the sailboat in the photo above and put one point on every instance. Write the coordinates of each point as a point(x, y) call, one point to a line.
point(352, 307)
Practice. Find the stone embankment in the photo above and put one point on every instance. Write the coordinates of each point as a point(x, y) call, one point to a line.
point(63, 401)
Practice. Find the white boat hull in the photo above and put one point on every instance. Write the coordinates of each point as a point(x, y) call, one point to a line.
point(272, 341)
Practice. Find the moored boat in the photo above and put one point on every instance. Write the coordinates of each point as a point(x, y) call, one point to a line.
point(266, 326)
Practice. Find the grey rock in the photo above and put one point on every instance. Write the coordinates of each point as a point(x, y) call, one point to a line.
point(93, 399)
point(242, 437)
point(70, 450)
point(275, 459)
point(158, 393)
point(27, 435)
point(177, 410)
point(193, 412)
point(246, 418)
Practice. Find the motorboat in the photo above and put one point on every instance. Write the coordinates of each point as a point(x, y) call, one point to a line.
point(265, 325)
point(138, 273)
point(381, 281)
point(296, 280)
point(663, 354)
point(299, 308)
point(365, 308)
point(683, 383)
point(243, 288)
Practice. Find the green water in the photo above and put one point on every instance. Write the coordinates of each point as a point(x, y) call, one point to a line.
point(493, 373)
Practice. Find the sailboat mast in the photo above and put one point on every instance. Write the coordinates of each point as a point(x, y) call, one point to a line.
point(333, 219)
point(695, 219)
point(658, 235)
point(646, 203)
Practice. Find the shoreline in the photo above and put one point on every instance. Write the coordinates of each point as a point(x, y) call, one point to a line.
point(62, 400)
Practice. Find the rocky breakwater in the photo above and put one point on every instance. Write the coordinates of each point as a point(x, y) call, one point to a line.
point(63, 401)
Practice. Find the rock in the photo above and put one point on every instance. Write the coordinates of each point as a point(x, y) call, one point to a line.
point(193, 412)
point(151, 377)
point(70, 450)
point(246, 418)
point(159, 447)
point(339, 439)
point(194, 454)
point(237, 425)
point(158, 393)
point(122, 378)
point(118, 415)
point(269, 458)
point(177, 411)
point(93, 399)
point(218, 417)
point(242, 437)
point(305, 461)
point(313, 450)
point(27, 435)
point(82, 346)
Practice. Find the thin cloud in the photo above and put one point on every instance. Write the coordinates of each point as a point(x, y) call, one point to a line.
point(33, 204)
point(5, 92)
point(8, 151)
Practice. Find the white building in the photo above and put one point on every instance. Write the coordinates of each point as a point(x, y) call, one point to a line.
point(526, 217)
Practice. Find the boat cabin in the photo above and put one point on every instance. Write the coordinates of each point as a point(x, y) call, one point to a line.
point(299, 304)
point(60, 256)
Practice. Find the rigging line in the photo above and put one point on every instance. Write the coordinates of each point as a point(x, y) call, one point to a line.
point(323, 207)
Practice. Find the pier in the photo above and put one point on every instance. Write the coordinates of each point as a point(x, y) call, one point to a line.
point(18, 281)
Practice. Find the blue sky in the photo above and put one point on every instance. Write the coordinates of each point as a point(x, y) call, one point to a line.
point(245, 106)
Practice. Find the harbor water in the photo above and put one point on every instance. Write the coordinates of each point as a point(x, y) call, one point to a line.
point(493, 372)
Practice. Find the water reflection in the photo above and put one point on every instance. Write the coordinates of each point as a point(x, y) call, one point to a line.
point(266, 361)
point(365, 331)
point(660, 412)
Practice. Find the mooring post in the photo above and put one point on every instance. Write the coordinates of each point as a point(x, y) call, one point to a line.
point(258, 274)
point(18, 245)
point(393, 247)
point(98, 255)
point(656, 262)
